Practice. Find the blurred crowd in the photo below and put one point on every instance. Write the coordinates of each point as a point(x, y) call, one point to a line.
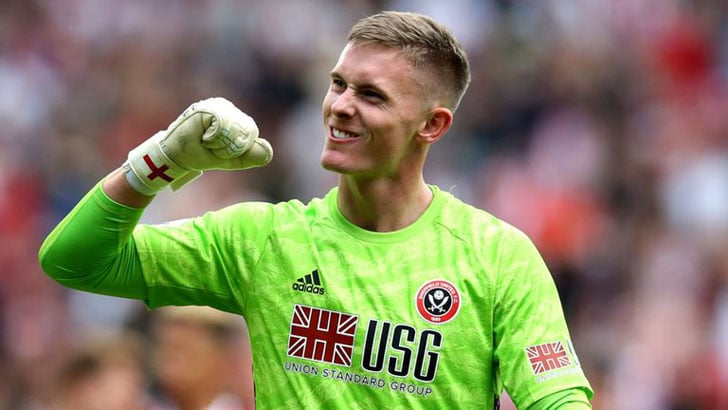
point(600, 128)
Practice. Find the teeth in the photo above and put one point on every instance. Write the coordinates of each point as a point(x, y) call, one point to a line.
point(341, 134)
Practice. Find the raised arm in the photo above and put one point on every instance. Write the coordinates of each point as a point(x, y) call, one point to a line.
point(92, 248)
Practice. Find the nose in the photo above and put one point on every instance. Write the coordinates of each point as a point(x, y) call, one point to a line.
point(342, 104)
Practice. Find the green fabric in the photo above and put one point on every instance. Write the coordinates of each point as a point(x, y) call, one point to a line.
point(254, 259)
point(571, 399)
point(91, 250)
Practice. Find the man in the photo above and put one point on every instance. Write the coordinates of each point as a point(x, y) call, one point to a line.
point(385, 293)
point(103, 372)
point(199, 359)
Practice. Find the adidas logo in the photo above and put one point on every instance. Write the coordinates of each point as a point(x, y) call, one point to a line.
point(310, 283)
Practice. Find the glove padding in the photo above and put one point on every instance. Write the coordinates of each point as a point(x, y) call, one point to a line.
point(209, 134)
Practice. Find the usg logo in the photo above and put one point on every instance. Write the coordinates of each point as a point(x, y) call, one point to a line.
point(310, 283)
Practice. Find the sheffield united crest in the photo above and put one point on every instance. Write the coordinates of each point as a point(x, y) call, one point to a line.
point(438, 301)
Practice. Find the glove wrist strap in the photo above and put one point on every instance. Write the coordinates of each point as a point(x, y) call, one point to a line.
point(135, 182)
point(149, 170)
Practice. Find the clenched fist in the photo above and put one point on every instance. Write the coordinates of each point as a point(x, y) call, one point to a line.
point(209, 134)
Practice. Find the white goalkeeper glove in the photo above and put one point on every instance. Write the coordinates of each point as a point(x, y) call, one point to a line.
point(209, 134)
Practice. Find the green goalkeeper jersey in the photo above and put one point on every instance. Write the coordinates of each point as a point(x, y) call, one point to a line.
point(442, 314)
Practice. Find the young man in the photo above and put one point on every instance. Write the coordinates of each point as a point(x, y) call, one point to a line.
point(385, 293)
point(103, 372)
point(199, 359)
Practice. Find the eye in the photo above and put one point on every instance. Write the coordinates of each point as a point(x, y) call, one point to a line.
point(370, 94)
point(337, 84)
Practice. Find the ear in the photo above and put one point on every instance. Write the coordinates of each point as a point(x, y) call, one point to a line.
point(437, 124)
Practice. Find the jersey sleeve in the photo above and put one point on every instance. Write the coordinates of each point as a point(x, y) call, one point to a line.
point(207, 260)
point(99, 247)
point(569, 399)
point(533, 349)
point(91, 249)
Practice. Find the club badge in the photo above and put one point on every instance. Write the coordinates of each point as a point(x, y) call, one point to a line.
point(438, 301)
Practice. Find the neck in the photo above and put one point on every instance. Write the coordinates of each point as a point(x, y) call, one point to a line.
point(382, 205)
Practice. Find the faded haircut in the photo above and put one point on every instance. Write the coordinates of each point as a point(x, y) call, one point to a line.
point(430, 46)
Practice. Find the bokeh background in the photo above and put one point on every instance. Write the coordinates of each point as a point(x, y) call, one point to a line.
point(599, 127)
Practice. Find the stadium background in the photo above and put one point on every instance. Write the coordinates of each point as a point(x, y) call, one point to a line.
point(598, 127)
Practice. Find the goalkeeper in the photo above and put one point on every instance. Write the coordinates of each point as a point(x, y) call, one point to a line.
point(385, 293)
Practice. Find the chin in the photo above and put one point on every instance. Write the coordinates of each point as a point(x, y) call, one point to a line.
point(327, 162)
point(332, 166)
point(338, 162)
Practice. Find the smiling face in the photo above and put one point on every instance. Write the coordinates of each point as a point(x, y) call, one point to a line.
point(373, 111)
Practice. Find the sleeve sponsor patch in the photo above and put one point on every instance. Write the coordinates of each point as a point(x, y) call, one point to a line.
point(547, 357)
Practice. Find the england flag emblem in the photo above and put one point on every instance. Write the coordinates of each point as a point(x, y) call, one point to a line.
point(322, 335)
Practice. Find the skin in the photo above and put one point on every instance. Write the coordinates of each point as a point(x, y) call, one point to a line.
point(376, 96)
point(190, 365)
point(378, 99)
point(117, 386)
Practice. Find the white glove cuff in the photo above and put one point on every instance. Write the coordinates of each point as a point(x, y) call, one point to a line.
point(149, 170)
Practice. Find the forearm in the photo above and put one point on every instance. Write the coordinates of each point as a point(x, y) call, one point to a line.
point(118, 189)
point(92, 249)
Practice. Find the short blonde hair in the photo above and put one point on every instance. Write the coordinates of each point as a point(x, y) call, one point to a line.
point(430, 46)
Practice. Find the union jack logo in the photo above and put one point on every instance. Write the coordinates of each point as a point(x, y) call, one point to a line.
point(322, 335)
point(547, 356)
